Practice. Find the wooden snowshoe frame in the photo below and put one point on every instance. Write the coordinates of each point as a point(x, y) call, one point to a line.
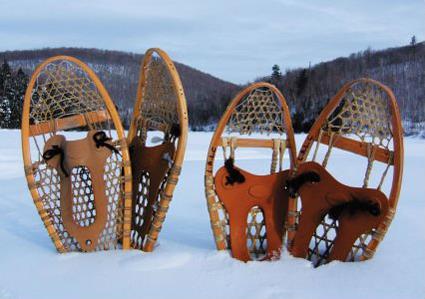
point(65, 94)
point(362, 118)
point(258, 109)
point(160, 106)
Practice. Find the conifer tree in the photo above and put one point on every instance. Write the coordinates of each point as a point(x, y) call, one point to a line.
point(12, 92)
point(5, 93)
point(301, 82)
point(413, 41)
point(276, 74)
point(20, 82)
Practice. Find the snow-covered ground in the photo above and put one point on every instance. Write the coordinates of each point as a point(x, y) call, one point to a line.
point(186, 264)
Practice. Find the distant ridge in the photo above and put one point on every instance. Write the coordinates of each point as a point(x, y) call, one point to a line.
point(307, 90)
point(119, 72)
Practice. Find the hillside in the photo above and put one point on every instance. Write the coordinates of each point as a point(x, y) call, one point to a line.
point(119, 72)
point(307, 90)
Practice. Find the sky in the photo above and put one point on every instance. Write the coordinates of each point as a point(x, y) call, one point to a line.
point(237, 41)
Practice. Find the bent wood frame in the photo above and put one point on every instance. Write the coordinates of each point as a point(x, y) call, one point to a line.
point(68, 123)
point(217, 227)
point(166, 194)
point(393, 158)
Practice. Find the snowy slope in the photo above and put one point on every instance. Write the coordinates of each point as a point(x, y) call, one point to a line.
point(186, 264)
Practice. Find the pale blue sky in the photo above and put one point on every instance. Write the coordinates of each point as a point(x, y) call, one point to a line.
point(234, 40)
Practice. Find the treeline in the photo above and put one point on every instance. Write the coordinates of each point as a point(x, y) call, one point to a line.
point(12, 91)
point(308, 90)
point(207, 96)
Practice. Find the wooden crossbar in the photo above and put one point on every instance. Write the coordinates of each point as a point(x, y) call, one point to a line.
point(69, 122)
point(357, 147)
point(246, 142)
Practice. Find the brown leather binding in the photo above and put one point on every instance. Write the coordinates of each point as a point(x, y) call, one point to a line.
point(268, 193)
point(156, 161)
point(327, 196)
point(81, 153)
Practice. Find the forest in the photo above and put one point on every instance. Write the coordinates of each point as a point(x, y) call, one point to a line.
point(119, 72)
point(307, 90)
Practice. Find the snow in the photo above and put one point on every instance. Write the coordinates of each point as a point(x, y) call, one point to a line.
point(186, 263)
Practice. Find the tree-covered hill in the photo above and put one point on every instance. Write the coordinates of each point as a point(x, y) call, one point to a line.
point(307, 90)
point(119, 72)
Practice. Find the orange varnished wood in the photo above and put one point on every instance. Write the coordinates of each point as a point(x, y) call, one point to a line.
point(357, 147)
point(67, 123)
point(217, 141)
point(395, 122)
point(247, 142)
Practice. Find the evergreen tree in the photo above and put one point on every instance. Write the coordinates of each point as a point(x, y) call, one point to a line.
point(5, 94)
point(12, 92)
point(413, 41)
point(5, 74)
point(276, 74)
point(20, 83)
point(301, 82)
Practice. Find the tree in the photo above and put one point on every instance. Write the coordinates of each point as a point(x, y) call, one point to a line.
point(5, 92)
point(12, 92)
point(5, 74)
point(276, 74)
point(302, 81)
point(19, 86)
point(413, 41)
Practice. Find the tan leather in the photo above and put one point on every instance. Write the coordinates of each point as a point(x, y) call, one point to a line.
point(268, 193)
point(319, 198)
point(78, 153)
point(156, 161)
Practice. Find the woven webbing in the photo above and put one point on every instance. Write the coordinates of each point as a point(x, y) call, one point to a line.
point(259, 112)
point(363, 114)
point(158, 112)
point(64, 89)
point(159, 105)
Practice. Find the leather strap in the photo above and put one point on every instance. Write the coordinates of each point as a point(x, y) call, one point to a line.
point(77, 154)
point(156, 161)
point(358, 210)
point(267, 192)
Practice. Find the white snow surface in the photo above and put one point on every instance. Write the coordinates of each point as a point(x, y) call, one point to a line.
point(186, 264)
